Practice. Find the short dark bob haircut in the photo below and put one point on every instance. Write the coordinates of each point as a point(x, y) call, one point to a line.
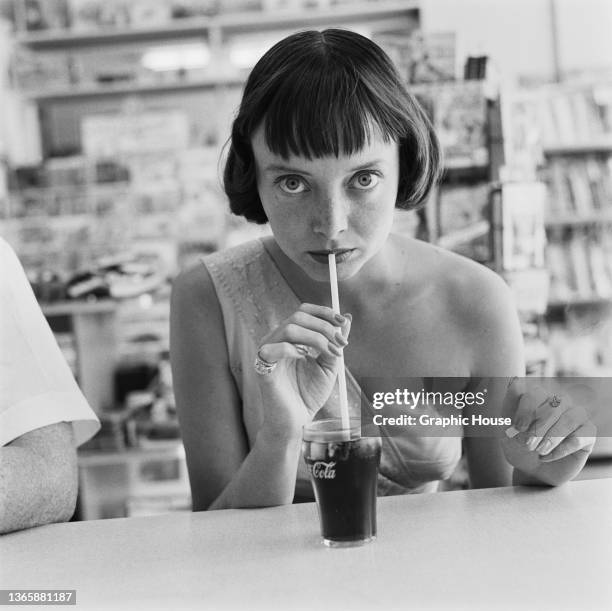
point(321, 94)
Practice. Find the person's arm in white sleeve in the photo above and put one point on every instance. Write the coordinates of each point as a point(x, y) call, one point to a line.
point(43, 414)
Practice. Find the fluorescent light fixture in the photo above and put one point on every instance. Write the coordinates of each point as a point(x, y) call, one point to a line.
point(176, 57)
point(246, 53)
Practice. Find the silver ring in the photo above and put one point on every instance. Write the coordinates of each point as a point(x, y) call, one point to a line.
point(554, 401)
point(263, 367)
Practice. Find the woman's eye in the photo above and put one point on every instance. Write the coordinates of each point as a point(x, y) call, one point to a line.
point(292, 184)
point(365, 180)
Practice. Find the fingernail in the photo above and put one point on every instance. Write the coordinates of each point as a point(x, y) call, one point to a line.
point(340, 339)
point(511, 432)
point(339, 318)
point(302, 350)
point(546, 447)
point(334, 349)
point(349, 316)
point(532, 442)
point(521, 425)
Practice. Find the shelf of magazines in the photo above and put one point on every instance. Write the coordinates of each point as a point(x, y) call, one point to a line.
point(458, 213)
point(122, 89)
point(580, 262)
point(579, 223)
point(603, 146)
point(576, 250)
point(519, 241)
point(73, 23)
point(65, 50)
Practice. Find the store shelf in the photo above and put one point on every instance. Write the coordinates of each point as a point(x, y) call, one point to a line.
point(580, 301)
point(68, 308)
point(573, 220)
point(239, 22)
point(602, 146)
point(356, 12)
point(74, 188)
point(132, 89)
point(464, 173)
point(59, 39)
point(152, 450)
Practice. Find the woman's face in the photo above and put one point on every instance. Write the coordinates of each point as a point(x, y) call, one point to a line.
point(341, 204)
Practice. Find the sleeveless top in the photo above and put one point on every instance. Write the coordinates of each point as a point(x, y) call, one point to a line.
point(254, 298)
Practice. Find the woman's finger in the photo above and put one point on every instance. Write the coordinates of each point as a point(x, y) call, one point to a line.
point(529, 408)
point(324, 313)
point(332, 332)
point(346, 327)
point(581, 440)
point(294, 341)
point(566, 423)
point(297, 334)
point(548, 416)
point(272, 353)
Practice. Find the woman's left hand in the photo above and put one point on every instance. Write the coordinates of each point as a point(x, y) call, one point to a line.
point(550, 438)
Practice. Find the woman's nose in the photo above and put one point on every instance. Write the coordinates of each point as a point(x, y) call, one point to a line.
point(331, 217)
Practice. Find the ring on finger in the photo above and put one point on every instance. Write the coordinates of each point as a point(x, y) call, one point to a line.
point(263, 367)
point(554, 401)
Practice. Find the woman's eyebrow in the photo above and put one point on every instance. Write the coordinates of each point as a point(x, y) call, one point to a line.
point(364, 166)
point(275, 167)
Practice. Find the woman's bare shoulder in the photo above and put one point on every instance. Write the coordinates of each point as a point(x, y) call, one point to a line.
point(483, 309)
point(463, 280)
point(196, 317)
point(476, 302)
point(432, 266)
point(193, 288)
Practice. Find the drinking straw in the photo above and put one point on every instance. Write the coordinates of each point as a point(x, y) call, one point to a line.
point(333, 282)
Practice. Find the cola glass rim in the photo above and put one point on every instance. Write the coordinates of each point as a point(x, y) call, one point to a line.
point(332, 429)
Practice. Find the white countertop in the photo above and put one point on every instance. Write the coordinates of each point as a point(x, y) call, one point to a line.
point(504, 548)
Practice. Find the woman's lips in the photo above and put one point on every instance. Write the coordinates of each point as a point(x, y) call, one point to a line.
point(342, 255)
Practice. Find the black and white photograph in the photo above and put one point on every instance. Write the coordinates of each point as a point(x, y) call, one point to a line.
point(306, 304)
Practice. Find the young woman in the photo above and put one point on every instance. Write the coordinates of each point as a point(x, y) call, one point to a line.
point(326, 144)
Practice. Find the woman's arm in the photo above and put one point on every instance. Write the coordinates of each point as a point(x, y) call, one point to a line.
point(223, 471)
point(38, 478)
point(547, 443)
point(496, 354)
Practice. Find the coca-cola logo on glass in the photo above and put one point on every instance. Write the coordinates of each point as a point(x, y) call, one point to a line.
point(323, 470)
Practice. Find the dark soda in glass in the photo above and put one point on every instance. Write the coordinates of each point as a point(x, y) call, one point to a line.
point(343, 469)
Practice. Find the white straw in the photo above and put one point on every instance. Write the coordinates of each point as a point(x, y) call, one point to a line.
point(333, 281)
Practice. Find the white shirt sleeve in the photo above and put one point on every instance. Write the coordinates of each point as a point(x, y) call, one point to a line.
point(36, 385)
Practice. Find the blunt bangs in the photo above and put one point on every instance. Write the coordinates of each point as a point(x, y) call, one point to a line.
point(324, 101)
point(324, 113)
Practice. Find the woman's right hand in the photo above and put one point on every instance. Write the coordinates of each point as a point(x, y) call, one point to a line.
point(306, 347)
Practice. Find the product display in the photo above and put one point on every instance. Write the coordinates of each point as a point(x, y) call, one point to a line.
point(422, 57)
point(459, 112)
